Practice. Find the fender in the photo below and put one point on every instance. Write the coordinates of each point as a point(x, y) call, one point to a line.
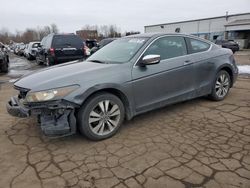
point(124, 92)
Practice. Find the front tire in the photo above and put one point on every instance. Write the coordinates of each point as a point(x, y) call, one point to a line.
point(221, 86)
point(101, 116)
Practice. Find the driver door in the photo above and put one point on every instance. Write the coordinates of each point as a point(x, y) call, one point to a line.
point(169, 81)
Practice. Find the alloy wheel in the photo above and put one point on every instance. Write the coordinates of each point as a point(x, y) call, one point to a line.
point(222, 85)
point(104, 117)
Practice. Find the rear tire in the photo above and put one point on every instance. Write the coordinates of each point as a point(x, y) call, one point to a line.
point(101, 116)
point(221, 86)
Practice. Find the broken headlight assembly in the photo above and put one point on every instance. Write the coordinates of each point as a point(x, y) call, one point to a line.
point(51, 94)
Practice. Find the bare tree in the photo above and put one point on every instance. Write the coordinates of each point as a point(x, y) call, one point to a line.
point(4, 35)
point(113, 31)
point(43, 31)
point(29, 35)
point(54, 28)
point(109, 31)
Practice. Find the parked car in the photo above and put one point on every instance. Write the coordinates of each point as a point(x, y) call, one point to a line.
point(16, 49)
point(31, 50)
point(4, 59)
point(130, 76)
point(20, 49)
point(91, 43)
point(60, 48)
point(234, 46)
point(101, 44)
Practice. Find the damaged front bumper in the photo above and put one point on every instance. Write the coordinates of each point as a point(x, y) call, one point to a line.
point(15, 108)
point(56, 118)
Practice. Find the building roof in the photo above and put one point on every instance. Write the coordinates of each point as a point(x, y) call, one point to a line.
point(239, 22)
point(198, 19)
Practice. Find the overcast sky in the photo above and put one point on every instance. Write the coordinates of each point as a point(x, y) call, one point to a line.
point(71, 15)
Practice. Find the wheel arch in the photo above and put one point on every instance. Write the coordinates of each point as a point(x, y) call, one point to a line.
point(229, 70)
point(115, 91)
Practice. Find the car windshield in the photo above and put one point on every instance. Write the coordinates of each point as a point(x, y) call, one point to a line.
point(118, 51)
point(104, 42)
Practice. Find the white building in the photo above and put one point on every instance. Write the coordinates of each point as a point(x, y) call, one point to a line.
point(233, 27)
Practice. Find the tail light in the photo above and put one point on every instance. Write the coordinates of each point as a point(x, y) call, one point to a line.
point(52, 51)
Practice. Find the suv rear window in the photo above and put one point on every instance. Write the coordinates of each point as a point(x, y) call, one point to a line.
point(62, 41)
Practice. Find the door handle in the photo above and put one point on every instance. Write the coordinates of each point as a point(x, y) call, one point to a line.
point(188, 62)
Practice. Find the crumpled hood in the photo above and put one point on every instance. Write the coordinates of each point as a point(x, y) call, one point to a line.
point(65, 74)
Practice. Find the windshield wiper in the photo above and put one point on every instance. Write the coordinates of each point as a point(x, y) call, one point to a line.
point(97, 61)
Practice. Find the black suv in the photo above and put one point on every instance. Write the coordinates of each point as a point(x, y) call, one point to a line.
point(59, 48)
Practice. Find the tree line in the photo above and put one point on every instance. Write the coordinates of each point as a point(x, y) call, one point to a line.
point(108, 31)
point(36, 34)
point(30, 34)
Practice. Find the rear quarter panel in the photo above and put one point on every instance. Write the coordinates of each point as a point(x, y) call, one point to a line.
point(222, 58)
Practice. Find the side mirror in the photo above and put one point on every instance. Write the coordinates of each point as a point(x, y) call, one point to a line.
point(151, 59)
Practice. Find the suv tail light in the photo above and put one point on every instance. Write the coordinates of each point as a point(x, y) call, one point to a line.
point(52, 51)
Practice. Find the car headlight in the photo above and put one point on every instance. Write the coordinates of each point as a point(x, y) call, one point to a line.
point(52, 94)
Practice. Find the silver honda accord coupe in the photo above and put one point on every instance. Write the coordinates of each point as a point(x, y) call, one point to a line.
point(129, 76)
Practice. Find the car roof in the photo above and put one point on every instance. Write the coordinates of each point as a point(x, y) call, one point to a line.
point(156, 35)
point(149, 35)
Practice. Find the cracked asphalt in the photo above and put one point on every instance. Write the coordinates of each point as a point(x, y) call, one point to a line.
point(198, 143)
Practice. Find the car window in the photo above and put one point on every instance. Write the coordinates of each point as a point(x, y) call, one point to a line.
point(63, 41)
point(104, 42)
point(168, 47)
point(198, 46)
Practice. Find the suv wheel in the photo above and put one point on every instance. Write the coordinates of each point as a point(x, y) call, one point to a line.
point(101, 116)
point(221, 86)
